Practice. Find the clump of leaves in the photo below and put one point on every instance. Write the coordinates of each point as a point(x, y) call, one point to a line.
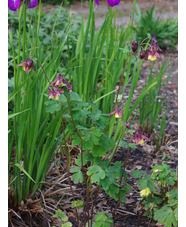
point(148, 24)
point(159, 194)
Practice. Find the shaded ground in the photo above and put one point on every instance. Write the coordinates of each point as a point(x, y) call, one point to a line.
point(56, 193)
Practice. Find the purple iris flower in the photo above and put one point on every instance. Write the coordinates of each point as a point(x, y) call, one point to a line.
point(14, 4)
point(111, 3)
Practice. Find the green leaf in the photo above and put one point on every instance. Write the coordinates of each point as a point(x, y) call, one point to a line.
point(137, 173)
point(78, 176)
point(75, 96)
point(166, 216)
point(67, 224)
point(123, 144)
point(132, 145)
point(96, 115)
point(77, 203)
point(142, 183)
point(96, 173)
point(52, 106)
point(24, 171)
point(61, 215)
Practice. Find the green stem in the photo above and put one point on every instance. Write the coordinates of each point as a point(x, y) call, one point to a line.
point(69, 105)
point(68, 161)
point(121, 81)
point(112, 156)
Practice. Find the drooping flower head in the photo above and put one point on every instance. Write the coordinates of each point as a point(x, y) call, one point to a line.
point(111, 3)
point(153, 49)
point(117, 113)
point(14, 4)
point(139, 137)
point(28, 65)
point(134, 45)
point(57, 87)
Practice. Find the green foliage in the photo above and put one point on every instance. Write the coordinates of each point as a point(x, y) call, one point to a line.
point(62, 218)
point(152, 106)
point(77, 203)
point(96, 173)
point(148, 24)
point(162, 202)
point(103, 219)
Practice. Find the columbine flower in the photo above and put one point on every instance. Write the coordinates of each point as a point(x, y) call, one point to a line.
point(134, 45)
point(14, 4)
point(117, 113)
point(139, 137)
point(111, 3)
point(28, 65)
point(153, 49)
point(145, 192)
point(57, 87)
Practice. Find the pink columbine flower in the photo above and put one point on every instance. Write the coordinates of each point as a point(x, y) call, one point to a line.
point(153, 49)
point(117, 113)
point(139, 137)
point(111, 3)
point(14, 4)
point(28, 65)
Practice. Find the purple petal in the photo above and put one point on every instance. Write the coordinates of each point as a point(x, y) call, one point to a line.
point(13, 4)
point(157, 55)
point(154, 37)
point(144, 137)
point(112, 3)
point(27, 69)
point(33, 3)
point(97, 2)
point(22, 64)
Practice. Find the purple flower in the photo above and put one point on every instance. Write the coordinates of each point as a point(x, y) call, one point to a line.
point(117, 113)
point(97, 2)
point(139, 137)
point(57, 87)
point(33, 3)
point(27, 65)
point(53, 94)
point(111, 3)
point(153, 49)
point(14, 4)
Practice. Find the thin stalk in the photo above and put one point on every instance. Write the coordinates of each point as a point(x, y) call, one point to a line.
point(121, 80)
point(94, 203)
point(68, 99)
point(112, 156)
point(43, 70)
point(68, 161)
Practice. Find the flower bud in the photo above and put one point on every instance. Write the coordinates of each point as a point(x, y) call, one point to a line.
point(134, 46)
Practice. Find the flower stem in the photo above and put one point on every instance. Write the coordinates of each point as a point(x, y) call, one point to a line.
point(43, 70)
point(68, 162)
point(121, 80)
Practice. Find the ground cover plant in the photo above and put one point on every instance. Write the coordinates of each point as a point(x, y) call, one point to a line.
point(67, 96)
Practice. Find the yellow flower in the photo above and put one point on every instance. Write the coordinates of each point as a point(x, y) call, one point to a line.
point(145, 192)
